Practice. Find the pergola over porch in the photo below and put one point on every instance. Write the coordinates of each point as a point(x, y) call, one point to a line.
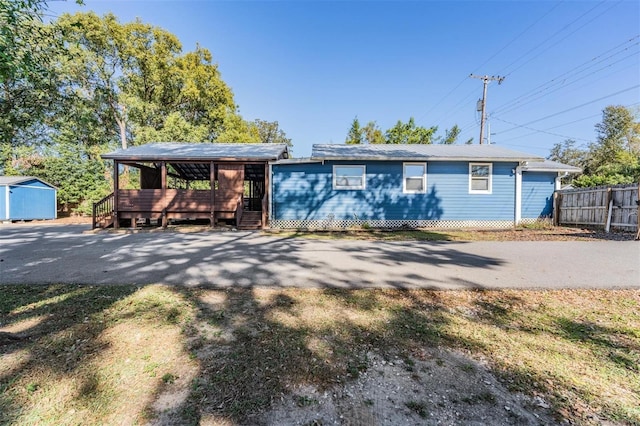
point(235, 178)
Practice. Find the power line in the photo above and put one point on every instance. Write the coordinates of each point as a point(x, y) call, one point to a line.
point(518, 36)
point(539, 131)
point(575, 71)
point(566, 27)
point(576, 107)
point(560, 125)
point(491, 58)
point(589, 83)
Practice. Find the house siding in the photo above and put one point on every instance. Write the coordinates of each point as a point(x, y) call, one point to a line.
point(305, 192)
point(31, 200)
point(537, 194)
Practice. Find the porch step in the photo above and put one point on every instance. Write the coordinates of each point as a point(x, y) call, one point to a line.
point(104, 222)
point(251, 220)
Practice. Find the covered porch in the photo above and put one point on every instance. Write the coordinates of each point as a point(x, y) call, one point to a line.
point(178, 181)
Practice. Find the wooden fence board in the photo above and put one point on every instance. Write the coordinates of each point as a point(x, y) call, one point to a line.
point(590, 206)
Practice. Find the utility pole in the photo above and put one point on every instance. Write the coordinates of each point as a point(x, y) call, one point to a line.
point(485, 79)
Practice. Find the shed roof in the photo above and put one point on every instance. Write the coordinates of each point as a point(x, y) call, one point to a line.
point(17, 180)
point(420, 152)
point(176, 151)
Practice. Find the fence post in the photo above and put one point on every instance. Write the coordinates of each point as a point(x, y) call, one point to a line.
point(638, 218)
point(607, 216)
point(556, 208)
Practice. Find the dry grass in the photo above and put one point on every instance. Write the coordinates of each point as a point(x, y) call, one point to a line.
point(533, 232)
point(122, 354)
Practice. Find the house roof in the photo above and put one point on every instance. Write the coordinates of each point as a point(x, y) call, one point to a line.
point(420, 152)
point(550, 166)
point(175, 151)
point(16, 180)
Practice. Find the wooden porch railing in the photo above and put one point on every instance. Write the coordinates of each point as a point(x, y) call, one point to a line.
point(239, 210)
point(264, 210)
point(103, 211)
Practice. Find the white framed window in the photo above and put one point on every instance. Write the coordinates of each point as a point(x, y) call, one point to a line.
point(480, 177)
point(349, 177)
point(414, 178)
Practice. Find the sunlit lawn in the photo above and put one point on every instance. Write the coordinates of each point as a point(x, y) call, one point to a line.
point(127, 354)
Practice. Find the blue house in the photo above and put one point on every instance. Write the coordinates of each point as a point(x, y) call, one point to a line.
point(341, 186)
point(26, 198)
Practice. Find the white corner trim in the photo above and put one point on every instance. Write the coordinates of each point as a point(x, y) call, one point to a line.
point(518, 199)
point(6, 195)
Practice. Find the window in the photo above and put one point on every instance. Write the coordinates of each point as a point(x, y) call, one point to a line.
point(349, 177)
point(414, 178)
point(480, 178)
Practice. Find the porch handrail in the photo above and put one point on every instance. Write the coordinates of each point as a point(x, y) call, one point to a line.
point(102, 209)
point(264, 210)
point(239, 210)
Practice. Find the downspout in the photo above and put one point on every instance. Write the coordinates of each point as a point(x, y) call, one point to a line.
point(518, 201)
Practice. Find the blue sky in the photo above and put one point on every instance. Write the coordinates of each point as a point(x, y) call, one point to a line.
point(315, 65)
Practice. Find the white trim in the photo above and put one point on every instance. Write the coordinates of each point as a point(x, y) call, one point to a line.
point(558, 181)
point(32, 187)
point(7, 209)
point(350, 166)
point(518, 201)
point(489, 179)
point(404, 178)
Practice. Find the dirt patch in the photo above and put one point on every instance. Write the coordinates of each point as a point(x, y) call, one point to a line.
point(438, 387)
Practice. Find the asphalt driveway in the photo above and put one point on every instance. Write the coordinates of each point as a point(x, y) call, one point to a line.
point(43, 254)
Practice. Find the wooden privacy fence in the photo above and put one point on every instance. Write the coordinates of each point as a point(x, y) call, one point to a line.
point(607, 206)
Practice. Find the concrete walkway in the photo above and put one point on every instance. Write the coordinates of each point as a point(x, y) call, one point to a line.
point(42, 254)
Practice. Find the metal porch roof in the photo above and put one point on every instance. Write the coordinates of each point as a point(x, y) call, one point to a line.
point(175, 151)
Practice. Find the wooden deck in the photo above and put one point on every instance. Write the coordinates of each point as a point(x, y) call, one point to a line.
point(161, 204)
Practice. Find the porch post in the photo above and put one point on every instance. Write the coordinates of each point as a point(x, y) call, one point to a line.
point(116, 220)
point(163, 180)
point(212, 182)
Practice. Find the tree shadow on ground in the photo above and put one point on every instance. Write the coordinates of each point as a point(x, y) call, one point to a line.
point(56, 332)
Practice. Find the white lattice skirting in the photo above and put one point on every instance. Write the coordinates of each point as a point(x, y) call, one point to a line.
point(361, 223)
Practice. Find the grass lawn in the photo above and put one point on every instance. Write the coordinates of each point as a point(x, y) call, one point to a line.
point(127, 354)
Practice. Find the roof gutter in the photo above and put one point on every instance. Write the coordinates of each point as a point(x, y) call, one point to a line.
point(429, 158)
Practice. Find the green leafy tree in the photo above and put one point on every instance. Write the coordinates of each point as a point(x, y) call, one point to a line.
point(451, 135)
point(410, 133)
point(81, 178)
point(20, 26)
point(354, 137)
point(29, 94)
point(372, 133)
point(567, 152)
point(270, 132)
point(615, 156)
point(108, 84)
point(237, 130)
point(619, 132)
